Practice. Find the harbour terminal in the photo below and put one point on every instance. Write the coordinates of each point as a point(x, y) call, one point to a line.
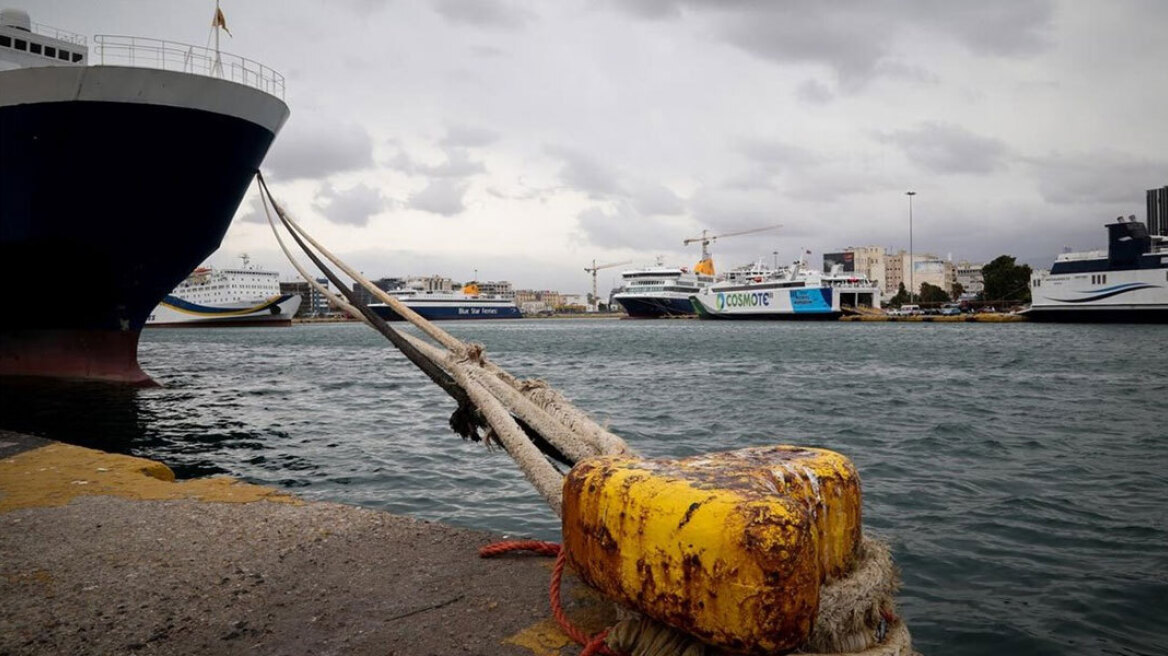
point(534, 330)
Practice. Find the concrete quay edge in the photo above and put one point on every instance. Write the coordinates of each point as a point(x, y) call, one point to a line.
point(107, 553)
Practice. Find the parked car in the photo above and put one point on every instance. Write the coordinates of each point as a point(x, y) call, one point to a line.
point(950, 310)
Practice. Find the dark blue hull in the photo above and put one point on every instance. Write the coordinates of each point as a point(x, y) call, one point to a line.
point(104, 208)
point(654, 308)
point(449, 313)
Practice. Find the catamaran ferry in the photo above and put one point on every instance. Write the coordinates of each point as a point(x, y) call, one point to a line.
point(227, 297)
point(760, 292)
point(1126, 283)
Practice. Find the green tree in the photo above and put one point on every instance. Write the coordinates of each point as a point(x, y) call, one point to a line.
point(958, 290)
point(1006, 280)
point(901, 297)
point(933, 294)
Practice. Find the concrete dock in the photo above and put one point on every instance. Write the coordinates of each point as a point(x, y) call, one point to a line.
point(105, 554)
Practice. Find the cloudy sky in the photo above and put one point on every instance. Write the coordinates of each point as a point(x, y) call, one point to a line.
point(525, 139)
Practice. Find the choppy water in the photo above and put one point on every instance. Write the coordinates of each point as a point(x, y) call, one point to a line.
point(1019, 471)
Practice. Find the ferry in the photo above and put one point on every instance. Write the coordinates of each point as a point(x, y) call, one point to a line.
point(243, 296)
point(758, 291)
point(659, 291)
point(123, 164)
point(441, 305)
point(1127, 283)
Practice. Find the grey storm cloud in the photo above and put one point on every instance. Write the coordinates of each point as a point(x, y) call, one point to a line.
point(497, 14)
point(319, 150)
point(253, 211)
point(855, 38)
point(623, 227)
point(441, 196)
point(352, 206)
point(457, 164)
point(776, 155)
point(944, 148)
point(584, 173)
point(1098, 178)
point(650, 199)
point(463, 136)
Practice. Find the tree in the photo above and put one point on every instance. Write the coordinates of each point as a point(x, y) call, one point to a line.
point(933, 294)
point(958, 290)
point(1006, 281)
point(901, 297)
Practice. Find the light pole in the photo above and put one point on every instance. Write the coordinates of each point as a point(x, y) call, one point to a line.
point(911, 264)
point(776, 254)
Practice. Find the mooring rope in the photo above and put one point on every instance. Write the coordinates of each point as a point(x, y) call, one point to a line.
point(534, 422)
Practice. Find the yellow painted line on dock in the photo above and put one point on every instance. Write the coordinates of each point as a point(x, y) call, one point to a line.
point(54, 475)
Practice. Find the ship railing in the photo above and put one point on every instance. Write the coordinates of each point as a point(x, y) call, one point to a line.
point(57, 33)
point(172, 56)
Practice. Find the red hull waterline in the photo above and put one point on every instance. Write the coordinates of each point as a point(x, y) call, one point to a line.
point(101, 355)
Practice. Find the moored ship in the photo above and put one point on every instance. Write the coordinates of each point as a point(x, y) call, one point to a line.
point(760, 292)
point(1127, 283)
point(659, 291)
point(242, 296)
point(440, 305)
point(172, 135)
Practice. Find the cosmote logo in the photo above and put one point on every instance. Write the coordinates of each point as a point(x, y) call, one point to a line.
point(744, 299)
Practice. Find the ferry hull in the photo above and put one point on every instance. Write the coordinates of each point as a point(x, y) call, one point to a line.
point(450, 312)
point(166, 159)
point(817, 304)
point(654, 307)
point(174, 312)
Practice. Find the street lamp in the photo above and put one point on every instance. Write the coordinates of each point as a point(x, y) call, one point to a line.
point(911, 279)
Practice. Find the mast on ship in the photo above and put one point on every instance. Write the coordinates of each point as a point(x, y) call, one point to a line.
point(218, 22)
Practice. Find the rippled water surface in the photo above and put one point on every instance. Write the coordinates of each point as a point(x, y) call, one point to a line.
point(1019, 471)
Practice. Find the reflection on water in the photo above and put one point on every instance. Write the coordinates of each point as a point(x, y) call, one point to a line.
point(1019, 471)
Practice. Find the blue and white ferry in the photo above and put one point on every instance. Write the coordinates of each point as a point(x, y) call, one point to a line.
point(1126, 283)
point(439, 305)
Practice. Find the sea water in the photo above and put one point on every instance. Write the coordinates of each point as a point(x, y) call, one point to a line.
point(1019, 471)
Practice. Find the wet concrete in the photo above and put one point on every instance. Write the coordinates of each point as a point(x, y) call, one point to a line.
point(116, 559)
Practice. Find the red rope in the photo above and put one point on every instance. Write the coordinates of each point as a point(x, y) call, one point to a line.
point(592, 644)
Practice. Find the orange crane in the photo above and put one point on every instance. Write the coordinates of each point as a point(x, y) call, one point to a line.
point(705, 266)
point(593, 269)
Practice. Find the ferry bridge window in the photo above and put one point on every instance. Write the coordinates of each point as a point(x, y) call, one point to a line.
point(6, 41)
point(76, 57)
point(34, 48)
point(21, 44)
point(63, 55)
point(50, 51)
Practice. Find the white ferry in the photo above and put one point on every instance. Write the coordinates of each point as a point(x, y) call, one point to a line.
point(227, 297)
point(660, 291)
point(438, 305)
point(1126, 283)
point(761, 292)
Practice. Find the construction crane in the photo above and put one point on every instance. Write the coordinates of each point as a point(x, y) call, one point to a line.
point(706, 265)
point(597, 267)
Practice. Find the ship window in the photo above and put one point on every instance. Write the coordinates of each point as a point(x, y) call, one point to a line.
point(50, 51)
point(6, 41)
point(21, 44)
point(34, 48)
point(76, 57)
point(63, 55)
